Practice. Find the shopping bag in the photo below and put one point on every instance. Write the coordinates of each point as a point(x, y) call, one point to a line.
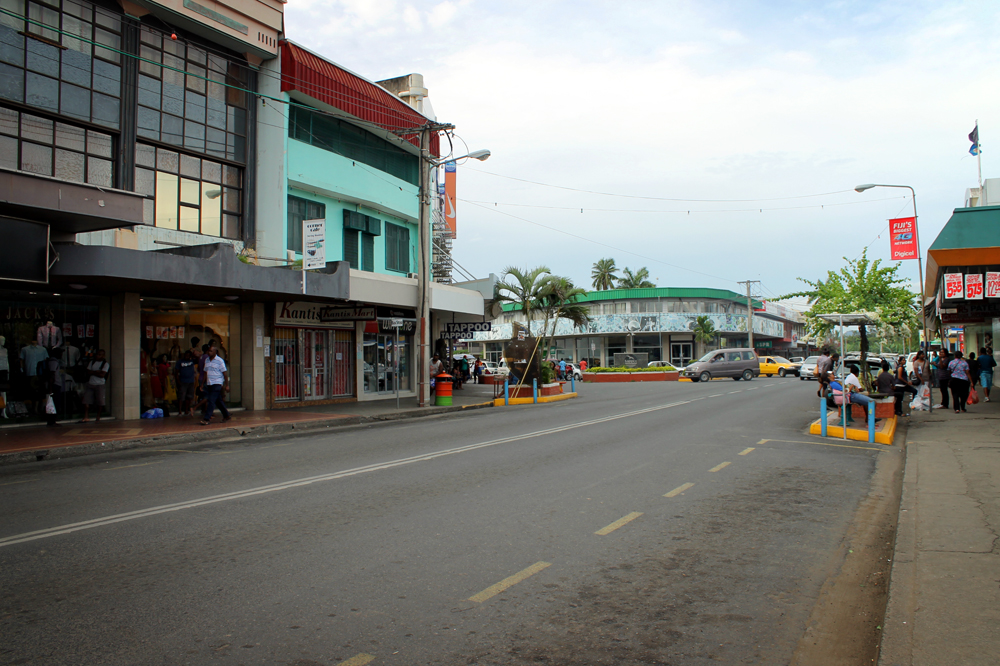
point(50, 405)
point(923, 400)
point(973, 398)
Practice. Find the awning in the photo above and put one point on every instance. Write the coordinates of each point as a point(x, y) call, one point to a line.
point(333, 85)
point(971, 237)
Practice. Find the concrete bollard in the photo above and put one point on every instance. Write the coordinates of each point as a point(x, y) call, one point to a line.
point(871, 422)
point(506, 392)
point(572, 383)
point(822, 417)
point(534, 390)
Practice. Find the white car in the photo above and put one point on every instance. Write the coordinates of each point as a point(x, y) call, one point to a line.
point(808, 368)
point(491, 368)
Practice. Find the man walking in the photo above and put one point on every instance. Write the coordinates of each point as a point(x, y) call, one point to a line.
point(986, 365)
point(94, 392)
point(943, 378)
point(216, 386)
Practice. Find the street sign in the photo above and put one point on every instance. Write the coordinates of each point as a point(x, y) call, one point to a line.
point(396, 323)
point(313, 244)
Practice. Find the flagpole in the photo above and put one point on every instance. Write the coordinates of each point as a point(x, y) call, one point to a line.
point(979, 162)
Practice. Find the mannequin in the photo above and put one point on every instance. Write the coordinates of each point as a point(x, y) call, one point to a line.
point(4, 374)
point(50, 335)
point(30, 356)
point(70, 355)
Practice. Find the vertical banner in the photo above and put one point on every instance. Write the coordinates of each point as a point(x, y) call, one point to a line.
point(449, 197)
point(903, 238)
point(974, 286)
point(992, 284)
point(313, 242)
point(954, 286)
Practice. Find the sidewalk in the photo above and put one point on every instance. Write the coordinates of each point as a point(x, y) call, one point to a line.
point(40, 442)
point(944, 594)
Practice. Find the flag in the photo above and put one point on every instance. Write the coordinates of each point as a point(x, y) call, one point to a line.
point(974, 138)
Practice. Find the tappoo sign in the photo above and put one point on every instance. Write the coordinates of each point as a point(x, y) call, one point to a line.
point(903, 238)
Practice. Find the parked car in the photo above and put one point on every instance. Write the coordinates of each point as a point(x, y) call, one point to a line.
point(735, 363)
point(491, 368)
point(659, 364)
point(775, 365)
point(808, 368)
point(797, 359)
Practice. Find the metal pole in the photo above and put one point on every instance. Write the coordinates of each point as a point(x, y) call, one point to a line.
point(920, 269)
point(424, 355)
point(845, 395)
point(395, 362)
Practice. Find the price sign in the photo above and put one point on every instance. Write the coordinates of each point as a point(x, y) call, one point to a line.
point(992, 284)
point(954, 285)
point(974, 287)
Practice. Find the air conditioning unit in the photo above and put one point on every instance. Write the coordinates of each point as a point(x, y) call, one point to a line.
point(412, 275)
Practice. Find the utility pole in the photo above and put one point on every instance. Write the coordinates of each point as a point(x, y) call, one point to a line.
point(750, 284)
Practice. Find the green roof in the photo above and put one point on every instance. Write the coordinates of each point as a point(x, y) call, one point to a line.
point(688, 293)
point(970, 228)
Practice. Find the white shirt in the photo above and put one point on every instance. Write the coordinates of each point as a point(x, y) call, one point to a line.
point(852, 380)
point(98, 366)
point(214, 367)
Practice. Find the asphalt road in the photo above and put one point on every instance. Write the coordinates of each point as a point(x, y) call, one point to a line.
point(563, 534)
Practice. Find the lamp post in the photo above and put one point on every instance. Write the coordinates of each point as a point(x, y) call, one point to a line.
point(423, 272)
point(920, 264)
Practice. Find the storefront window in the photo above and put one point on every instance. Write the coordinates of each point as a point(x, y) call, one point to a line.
point(388, 358)
point(313, 363)
point(45, 344)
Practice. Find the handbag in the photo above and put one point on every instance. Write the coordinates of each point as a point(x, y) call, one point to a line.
point(973, 398)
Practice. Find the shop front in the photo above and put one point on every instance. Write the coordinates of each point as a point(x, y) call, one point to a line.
point(312, 352)
point(388, 353)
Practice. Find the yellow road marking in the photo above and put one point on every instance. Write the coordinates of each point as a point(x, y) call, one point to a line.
point(357, 660)
point(125, 466)
point(679, 489)
point(604, 531)
point(745, 451)
point(840, 446)
point(763, 441)
point(12, 483)
point(719, 466)
point(510, 581)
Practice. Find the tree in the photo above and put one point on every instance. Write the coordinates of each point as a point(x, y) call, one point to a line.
point(604, 274)
point(637, 280)
point(557, 300)
point(704, 330)
point(862, 286)
point(522, 287)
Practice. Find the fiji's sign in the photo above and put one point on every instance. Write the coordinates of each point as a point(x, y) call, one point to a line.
point(903, 238)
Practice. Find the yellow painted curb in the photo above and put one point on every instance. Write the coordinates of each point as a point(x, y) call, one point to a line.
point(837, 432)
point(529, 401)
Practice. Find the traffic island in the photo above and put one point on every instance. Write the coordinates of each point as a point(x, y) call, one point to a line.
point(528, 395)
point(881, 431)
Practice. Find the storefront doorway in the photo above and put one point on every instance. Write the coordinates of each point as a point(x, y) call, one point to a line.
point(681, 353)
point(387, 358)
point(313, 363)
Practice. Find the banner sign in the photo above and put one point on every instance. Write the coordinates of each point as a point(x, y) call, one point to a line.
point(970, 312)
point(903, 238)
point(465, 331)
point(449, 197)
point(954, 285)
point(313, 242)
point(992, 284)
point(318, 315)
point(974, 287)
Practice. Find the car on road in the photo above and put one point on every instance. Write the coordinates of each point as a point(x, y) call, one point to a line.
point(776, 365)
point(808, 368)
point(491, 368)
point(660, 364)
point(736, 363)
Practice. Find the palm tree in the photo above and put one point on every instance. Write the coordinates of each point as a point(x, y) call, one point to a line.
point(604, 274)
point(522, 287)
point(635, 280)
point(557, 300)
point(704, 330)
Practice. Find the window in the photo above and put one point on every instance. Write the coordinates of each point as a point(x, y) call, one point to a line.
point(55, 66)
point(299, 210)
point(352, 142)
point(188, 193)
point(50, 148)
point(397, 248)
point(359, 239)
point(187, 99)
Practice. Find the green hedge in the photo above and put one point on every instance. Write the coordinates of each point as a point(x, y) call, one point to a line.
point(665, 368)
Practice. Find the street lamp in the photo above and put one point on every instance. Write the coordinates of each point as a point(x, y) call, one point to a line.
point(423, 273)
point(920, 262)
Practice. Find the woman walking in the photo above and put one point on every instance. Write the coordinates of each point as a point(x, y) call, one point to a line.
point(902, 385)
point(959, 381)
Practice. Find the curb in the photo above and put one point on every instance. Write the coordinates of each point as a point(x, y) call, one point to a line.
point(225, 434)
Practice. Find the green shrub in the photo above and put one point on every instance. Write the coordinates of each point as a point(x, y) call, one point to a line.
point(548, 375)
point(665, 368)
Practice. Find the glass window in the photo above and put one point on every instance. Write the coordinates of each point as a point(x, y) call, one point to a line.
point(397, 248)
point(56, 149)
point(299, 210)
point(186, 193)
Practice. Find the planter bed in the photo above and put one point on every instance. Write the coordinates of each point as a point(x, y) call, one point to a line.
point(543, 390)
point(609, 377)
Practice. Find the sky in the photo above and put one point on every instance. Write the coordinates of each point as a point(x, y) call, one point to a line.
point(711, 142)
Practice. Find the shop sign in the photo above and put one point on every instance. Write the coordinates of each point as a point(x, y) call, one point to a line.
point(954, 285)
point(313, 242)
point(29, 314)
point(968, 312)
point(763, 344)
point(306, 315)
point(903, 238)
point(992, 284)
point(404, 327)
point(974, 287)
point(466, 330)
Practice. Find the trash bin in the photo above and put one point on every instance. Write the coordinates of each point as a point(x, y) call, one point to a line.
point(442, 390)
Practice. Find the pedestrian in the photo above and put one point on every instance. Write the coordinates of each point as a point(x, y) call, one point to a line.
point(97, 370)
point(478, 370)
point(902, 386)
point(562, 369)
point(852, 385)
point(973, 369)
point(583, 365)
point(922, 381)
point(186, 376)
point(886, 381)
point(943, 378)
point(958, 372)
point(195, 351)
point(436, 368)
point(986, 365)
point(463, 367)
point(216, 386)
point(823, 366)
point(199, 390)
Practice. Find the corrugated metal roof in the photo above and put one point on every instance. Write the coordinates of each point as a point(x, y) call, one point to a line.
point(658, 292)
point(324, 81)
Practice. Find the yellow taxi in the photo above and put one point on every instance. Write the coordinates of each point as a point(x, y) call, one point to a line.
point(776, 365)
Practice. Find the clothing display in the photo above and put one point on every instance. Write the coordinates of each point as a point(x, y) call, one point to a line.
point(32, 355)
point(70, 356)
point(4, 361)
point(49, 335)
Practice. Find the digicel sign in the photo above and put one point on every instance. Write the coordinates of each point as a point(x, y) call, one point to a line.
point(903, 238)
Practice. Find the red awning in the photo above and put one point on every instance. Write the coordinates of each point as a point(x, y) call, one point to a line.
point(330, 84)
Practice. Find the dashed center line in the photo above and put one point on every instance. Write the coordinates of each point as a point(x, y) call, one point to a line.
point(510, 581)
point(717, 395)
point(719, 466)
point(732, 392)
point(679, 489)
point(604, 531)
point(745, 451)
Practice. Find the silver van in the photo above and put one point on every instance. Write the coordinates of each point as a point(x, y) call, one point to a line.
point(735, 363)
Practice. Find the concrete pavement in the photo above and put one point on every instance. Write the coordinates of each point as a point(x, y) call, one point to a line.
point(944, 595)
